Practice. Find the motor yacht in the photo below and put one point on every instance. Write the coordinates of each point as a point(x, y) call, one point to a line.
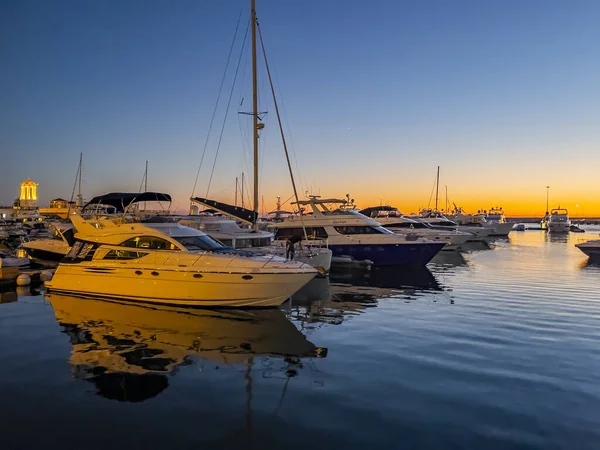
point(350, 234)
point(439, 221)
point(497, 220)
point(559, 221)
point(392, 219)
point(480, 220)
point(225, 229)
point(590, 248)
point(50, 252)
point(168, 263)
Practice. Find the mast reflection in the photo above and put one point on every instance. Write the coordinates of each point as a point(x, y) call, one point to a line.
point(128, 350)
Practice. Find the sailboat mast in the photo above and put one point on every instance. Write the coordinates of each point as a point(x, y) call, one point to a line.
point(446, 199)
point(242, 189)
point(146, 182)
point(437, 188)
point(254, 104)
point(80, 166)
point(236, 191)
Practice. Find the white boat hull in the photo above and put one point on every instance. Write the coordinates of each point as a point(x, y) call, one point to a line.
point(478, 233)
point(178, 287)
point(14, 262)
point(500, 229)
point(559, 227)
point(317, 257)
point(453, 239)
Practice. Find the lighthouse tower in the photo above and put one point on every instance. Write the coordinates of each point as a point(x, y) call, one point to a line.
point(28, 197)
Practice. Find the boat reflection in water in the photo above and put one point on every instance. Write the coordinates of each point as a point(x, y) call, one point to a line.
point(127, 350)
point(8, 297)
point(447, 259)
point(347, 294)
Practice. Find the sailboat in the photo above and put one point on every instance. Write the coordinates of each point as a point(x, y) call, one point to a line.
point(318, 256)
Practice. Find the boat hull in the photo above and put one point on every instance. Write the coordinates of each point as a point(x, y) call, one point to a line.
point(453, 239)
point(500, 229)
point(47, 253)
point(564, 227)
point(179, 287)
point(593, 251)
point(418, 254)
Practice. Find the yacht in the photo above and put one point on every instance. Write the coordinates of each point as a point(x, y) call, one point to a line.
point(496, 219)
point(392, 219)
point(50, 252)
point(439, 221)
point(227, 231)
point(590, 248)
point(167, 263)
point(559, 221)
point(350, 234)
point(496, 227)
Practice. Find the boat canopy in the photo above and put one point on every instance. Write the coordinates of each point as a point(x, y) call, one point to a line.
point(236, 212)
point(374, 211)
point(319, 201)
point(121, 200)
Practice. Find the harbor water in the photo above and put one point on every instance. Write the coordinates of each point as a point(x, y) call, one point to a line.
point(494, 348)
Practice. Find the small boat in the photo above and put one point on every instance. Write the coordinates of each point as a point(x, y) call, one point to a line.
point(7, 260)
point(559, 221)
point(167, 263)
point(50, 252)
point(576, 229)
point(519, 227)
point(590, 248)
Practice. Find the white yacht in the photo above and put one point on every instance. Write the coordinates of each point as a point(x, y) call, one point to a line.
point(559, 221)
point(480, 220)
point(439, 221)
point(228, 232)
point(350, 234)
point(496, 219)
point(168, 263)
point(392, 219)
point(50, 252)
point(590, 248)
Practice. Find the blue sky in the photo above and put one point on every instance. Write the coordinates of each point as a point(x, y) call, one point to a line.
point(502, 94)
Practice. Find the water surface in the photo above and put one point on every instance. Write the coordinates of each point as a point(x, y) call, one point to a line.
point(494, 348)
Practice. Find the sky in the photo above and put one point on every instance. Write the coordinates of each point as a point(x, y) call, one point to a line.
point(503, 95)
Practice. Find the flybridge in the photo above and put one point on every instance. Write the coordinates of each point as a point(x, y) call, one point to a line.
point(122, 200)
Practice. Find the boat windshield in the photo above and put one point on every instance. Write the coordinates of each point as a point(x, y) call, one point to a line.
point(362, 230)
point(195, 243)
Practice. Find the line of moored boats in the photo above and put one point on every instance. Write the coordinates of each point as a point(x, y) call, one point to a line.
point(224, 256)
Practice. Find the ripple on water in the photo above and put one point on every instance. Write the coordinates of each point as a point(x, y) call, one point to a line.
point(495, 348)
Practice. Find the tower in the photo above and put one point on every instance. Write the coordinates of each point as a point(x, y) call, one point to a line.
point(28, 197)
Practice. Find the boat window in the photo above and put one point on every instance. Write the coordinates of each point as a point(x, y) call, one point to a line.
point(81, 251)
point(195, 243)
point(311, 232)
point(150, 242)
point(362, 230)
point(408, 225)
point(123, 254)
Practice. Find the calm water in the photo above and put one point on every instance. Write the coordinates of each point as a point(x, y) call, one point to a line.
point(494, 348)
